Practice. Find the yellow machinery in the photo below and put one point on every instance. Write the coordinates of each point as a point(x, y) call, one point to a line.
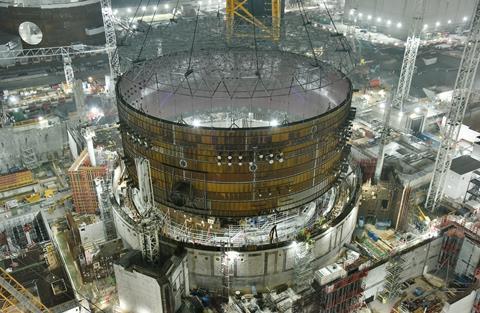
point(16, 180)
point(422, 216)
point(237, 9)
point(49, 193)
point(15, 298)
point(34, 197)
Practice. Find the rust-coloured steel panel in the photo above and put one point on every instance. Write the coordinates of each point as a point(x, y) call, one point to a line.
point(244, 171)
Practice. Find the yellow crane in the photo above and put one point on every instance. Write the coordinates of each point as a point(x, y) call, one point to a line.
point(239, 9)
point(15, 298)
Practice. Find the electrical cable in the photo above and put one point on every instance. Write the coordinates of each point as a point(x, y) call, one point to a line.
point(148, 30)
point(257, 69)
point(144, 11)
point(134, 16)
point(189, 69)
point(345, 45)
point(305, 23)
point(175, 10)
point(129, 26)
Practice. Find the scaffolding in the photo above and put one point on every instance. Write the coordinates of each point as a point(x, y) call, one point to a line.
point(14, 295)
point(303, 271)
point(473, 189)
point(103, 195)
point(391, 289)
point(150, 240)
point(451, 245)
point(227, 260)
point(344, 295)
point(29, 158)
point(16, 180)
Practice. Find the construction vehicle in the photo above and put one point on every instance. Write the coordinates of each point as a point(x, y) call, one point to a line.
point(421, 215)
point(34, 197)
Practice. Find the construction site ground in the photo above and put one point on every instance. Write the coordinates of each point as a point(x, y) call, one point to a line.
point(431, 298)
point(100, 291)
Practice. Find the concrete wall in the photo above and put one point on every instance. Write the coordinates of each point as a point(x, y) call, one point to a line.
point(457, 185)
point(375, 280)
point(126, 231)
point(137, 292)
point(47, 142)
point(92, 233)
point(260, 268)
point(179, 283)
point(267, 268)
point(463, 305)
point(425, 256)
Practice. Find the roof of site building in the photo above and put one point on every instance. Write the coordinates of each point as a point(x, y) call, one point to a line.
point(464, 164)
point(133, 261)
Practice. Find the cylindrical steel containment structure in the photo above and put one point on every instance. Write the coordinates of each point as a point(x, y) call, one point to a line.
point(227, 137)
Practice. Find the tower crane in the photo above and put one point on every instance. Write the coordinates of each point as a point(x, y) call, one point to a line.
point(14, 295)
point(385, 132)
point(238, 9)
point(398, 98)
point(461, 95)
point(67, 52)
point(408, 64)
point(110, 40)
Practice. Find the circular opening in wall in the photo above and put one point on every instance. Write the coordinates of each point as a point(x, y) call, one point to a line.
point(183, 163)
point(30, 33)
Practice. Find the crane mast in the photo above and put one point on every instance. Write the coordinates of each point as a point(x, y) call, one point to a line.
point(398, 98)
point(110, 39)
point(461, 95)
point(15, 298)
point(408, 64)
point(406, 73)
point(385, 132)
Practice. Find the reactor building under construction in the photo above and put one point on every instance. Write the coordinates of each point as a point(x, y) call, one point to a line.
point(239, 156)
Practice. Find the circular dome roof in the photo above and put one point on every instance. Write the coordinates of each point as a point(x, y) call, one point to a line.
point(233, 88)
